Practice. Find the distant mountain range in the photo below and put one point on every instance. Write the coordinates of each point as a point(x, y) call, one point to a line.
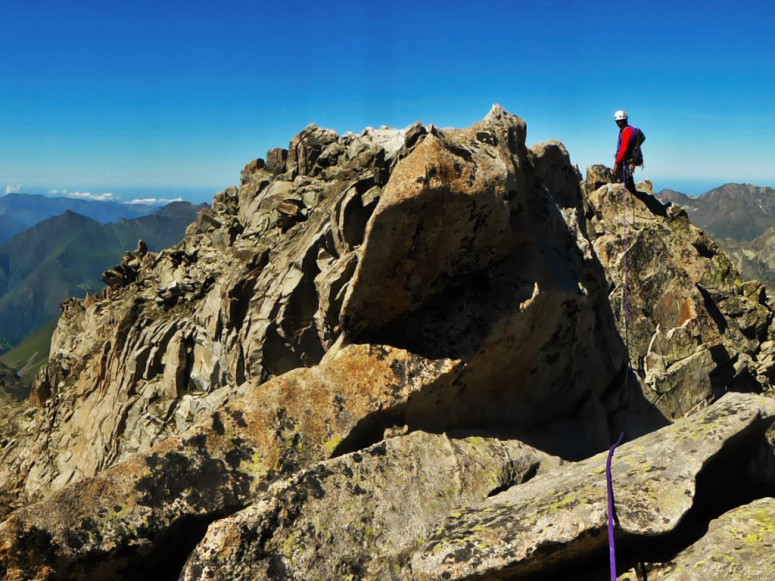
point(754, 258)
point(21, 211)
point(737, 211)
point(741, 219)
point(66, 255)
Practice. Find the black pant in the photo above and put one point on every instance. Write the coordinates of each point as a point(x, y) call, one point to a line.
point(626, 178)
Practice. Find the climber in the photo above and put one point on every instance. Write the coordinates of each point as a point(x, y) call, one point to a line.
point(624, 165)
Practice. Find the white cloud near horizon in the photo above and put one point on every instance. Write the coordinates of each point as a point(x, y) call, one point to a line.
point(13, 189)
point(106, 197)
point(155, 201)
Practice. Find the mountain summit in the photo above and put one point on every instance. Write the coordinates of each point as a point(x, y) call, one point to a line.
point(402, 355)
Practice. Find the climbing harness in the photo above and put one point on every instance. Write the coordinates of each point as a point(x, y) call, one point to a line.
point(609, 480)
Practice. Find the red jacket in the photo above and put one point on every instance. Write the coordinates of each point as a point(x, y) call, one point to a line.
point(626, 137)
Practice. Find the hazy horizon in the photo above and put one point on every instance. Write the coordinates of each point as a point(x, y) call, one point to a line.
point(164, 195)
point(133, 195)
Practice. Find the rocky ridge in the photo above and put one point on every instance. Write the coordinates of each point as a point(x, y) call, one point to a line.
point(739, 218)
point(696, 329)
point(390, 332)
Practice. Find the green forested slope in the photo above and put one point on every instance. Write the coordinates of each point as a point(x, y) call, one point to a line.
point(65, 256)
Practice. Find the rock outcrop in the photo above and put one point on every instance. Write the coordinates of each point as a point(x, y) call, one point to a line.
point(364, 514)
point(245, 297)
point(694, 328)
point(732, 549)
point(396, 355)
point(559, 519)
point(466, 254)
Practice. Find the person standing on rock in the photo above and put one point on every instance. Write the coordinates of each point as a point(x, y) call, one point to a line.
point(628, 137)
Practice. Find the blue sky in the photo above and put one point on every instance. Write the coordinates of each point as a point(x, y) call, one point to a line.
point(143, 99)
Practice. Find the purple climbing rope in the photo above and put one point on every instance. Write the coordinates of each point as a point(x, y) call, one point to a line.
point(609, 483)
point(609, 479)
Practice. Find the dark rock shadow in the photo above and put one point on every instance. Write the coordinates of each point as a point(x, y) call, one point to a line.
point(576, 419)
point(652, 203)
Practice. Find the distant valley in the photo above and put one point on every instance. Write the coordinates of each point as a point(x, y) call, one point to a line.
point(65, 255)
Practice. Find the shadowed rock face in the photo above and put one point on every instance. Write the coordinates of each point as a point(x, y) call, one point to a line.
point(10, 383)
point(474, 247)
point(410, 283)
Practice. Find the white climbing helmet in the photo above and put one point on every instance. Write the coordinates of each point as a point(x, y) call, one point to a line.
point(620, 115)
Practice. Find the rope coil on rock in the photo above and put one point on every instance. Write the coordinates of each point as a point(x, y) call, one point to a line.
point(609, 479)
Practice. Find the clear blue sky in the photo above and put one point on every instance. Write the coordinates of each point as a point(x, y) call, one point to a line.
point(128, 97)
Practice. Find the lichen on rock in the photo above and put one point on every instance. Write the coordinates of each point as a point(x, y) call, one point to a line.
point(362, 514)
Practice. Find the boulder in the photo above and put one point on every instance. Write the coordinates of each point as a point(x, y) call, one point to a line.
point(361, 515)
point(469, 252)
point(276, 161)
point(733, 548)
point(560, 518)
point(310, 150)
point(128, 270)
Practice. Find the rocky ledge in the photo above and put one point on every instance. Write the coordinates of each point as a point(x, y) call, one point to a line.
point(402, 355)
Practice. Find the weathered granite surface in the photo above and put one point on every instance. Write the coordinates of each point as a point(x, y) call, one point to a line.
point(693, 327)
point(145, 510)
point(562, 516)
point(361, 515)
point(735, 547)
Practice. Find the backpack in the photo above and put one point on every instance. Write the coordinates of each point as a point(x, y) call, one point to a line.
point(636, 154)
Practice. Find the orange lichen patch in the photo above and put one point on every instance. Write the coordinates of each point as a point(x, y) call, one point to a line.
point(687, 311)
point(675, 308)
point(264, 432)
point(292, 417)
